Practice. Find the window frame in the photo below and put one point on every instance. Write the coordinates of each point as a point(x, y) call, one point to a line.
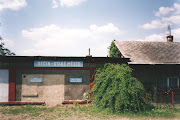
point(177, 78)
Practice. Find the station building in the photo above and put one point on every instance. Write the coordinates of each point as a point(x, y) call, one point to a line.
point(49, 80)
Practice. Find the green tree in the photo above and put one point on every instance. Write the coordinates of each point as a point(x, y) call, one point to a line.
point(115, 89)
point(113, 50)
point(4, 51)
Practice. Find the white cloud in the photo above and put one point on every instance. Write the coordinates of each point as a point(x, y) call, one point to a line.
point(69, 3)
point(32, 52)
point(172, 17)
point(153, 37)
point(167, 10)
point(162, 37)
point(66, 3)
point(164, 11)
point(154, 24)
point(12, 4)
point(176, 34)
point(55, 40)
point(55, 3)
point(106, 28)
point(177, 8)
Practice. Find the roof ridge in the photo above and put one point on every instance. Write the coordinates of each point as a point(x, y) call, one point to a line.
point(149, 41)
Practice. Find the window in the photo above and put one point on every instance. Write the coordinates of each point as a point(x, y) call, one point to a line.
point(173, 82)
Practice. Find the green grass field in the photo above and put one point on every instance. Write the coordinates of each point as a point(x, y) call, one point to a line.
point(82, 112)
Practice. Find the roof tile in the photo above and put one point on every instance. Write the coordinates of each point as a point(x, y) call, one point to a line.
point(141, 52)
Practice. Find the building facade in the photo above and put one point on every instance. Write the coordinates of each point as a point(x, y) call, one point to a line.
point(51, 80)
point(156, 65)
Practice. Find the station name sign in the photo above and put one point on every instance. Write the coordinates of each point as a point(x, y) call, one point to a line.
point(40, 63)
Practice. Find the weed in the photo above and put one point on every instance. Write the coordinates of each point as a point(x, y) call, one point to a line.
point(74, 109)
point(75, 104)
point(2, 105)
point(36, 114)
point(49, 110)
point(162, 107)
point(22, 109)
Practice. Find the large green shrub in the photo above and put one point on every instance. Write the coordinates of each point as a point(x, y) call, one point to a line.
point(113, 50)
point(115, 89)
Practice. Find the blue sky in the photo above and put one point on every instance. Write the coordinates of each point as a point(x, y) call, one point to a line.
point(70, 27)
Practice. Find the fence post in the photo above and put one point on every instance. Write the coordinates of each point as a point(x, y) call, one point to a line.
point(172, 99)
point(160, 98)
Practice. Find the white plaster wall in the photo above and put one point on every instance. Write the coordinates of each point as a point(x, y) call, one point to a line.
point(4, 85)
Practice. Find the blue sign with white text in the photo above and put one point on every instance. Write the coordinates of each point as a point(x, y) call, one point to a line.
point(39, 63)
point(35, 79)
point(75, 80)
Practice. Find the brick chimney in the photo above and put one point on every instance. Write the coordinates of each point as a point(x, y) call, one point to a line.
point(169, 37)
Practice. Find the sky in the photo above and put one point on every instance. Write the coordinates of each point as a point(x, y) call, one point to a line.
point(71, 27)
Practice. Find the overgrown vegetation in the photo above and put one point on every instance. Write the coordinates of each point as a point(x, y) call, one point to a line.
point(116, 90)
point(113, 50)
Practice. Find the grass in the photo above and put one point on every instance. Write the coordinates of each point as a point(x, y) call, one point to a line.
point(76, 111)
point(22, 109)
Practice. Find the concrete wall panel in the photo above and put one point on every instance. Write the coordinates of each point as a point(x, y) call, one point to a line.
point(50, 90)
point(72, 91)
point(75, 92)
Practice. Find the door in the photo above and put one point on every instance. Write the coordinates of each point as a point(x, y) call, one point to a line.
point(4, 85)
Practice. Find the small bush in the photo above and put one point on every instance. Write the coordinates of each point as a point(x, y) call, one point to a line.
point(116, 90)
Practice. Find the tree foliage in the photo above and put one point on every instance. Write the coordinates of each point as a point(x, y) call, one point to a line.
point(4, 51)
point(113, 50)
point(115, 89)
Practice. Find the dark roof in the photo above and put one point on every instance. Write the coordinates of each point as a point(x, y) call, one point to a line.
point(87, 59)
point(150, 52)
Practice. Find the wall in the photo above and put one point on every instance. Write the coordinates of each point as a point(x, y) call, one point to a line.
point(154, 79)
point(19, 66)
point(72, 91)
point(50, 90)
point(146, 74)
